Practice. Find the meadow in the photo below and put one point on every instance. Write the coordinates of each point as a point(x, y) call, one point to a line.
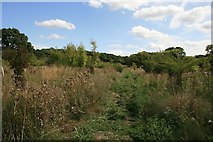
point(113, 103)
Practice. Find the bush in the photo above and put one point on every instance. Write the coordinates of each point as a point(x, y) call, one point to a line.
point(133, 94)
point(153, 128)
point(137, 105)
point(118, 67)
point(114, 112)
point(82, 133)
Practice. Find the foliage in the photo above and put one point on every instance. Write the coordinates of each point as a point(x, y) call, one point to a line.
point(133, 94)
point(81, 56)
point(117, 102)
point(209, 49)
point(70, 54)
point(118, 67)
point(153, 128)
point(16, 50)
point(99, 128)
point(92, 60)
point(70, 103)
point(55, 56)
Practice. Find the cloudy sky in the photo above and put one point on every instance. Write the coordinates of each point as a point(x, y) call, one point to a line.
point(120, 28)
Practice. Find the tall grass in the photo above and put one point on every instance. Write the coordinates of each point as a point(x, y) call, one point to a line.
point(111, 104)
point(54, 97)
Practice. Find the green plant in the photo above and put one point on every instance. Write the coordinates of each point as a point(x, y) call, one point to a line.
point(115, 112)
point(137, 104)
point(118, 67)
point(153, 128)
point(82, 133)
point(16, 50)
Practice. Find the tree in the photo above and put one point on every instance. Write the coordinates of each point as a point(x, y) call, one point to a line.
point(175, 63)
point(93, 60)
point(70, 54)
point(55, 56)
point(177, 52)
point(81, 56)
point(16, 49)
point(209, 49)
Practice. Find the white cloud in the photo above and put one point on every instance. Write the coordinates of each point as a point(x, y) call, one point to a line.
point(122, 46)
point(122, 49)
point(126, 4)
point(52, 36)
point(41, 36)
point(203, 27)
point(145, 33)
point(116, 45)
point(157, 12)
point(123, 12)
point(95, 3)
point(118, 4)
point(38, 46)
point(116, 52)
point(191, 47)
point(131, 46)
point(160, 41)
point(57, 23)
point(55, 36)
point(190, 17)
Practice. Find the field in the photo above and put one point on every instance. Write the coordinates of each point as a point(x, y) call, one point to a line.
point(113, 103)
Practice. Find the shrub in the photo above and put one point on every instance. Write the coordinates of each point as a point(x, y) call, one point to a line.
point(137, 105)
point(115, 112)
point(153, 128)
point(118, 67)
point(82, 133)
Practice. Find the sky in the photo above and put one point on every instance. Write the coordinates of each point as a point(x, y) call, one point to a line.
point(120, 28)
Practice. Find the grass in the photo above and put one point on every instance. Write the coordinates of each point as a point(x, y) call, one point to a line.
point(114, 103)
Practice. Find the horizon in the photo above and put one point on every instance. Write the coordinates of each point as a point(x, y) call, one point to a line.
point(118, 28)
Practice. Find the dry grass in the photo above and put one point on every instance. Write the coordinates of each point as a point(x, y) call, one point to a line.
point(53, 97)
point(57, 99)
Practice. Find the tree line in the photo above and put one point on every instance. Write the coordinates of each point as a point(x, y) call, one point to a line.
point(20, 53)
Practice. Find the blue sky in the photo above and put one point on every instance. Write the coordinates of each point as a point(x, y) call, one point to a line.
point(120, 28)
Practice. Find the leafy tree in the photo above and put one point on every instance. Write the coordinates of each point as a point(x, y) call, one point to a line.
point(177, 52)
point(172, 61)
point(70, 54)
point(55, 56)
point(141, 59)
point(93, 60)
point(81, 56)
point(16, 49)
point(35, 61)
point(176, 63)
point(209, 49)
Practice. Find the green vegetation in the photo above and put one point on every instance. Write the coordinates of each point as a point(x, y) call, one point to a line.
point(74, 94)
point(16, 49)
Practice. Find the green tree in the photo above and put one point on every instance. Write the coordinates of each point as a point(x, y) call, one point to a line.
point(209, 49)
point(81, 56)
point(175, 63)
point(93, 60)
point(16, 49)
point(71, 54)
point(177, 52)
point(55, 56)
